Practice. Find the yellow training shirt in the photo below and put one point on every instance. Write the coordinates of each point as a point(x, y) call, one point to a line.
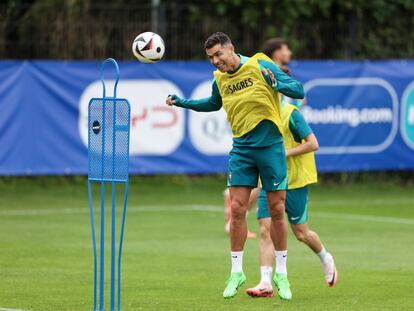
point(301, 168)
point(247, 97)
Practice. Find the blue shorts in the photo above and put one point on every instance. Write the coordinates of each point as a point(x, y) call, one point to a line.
point(296, 205)
point(247, 163)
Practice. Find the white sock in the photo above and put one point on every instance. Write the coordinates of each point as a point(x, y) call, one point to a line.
point(322, 254)
point(236, 261)
point(281, 257)
point(266, 274)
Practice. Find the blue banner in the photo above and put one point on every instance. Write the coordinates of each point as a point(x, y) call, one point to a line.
point(361, 112)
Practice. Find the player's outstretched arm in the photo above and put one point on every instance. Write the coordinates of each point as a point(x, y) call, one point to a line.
point(212, 103)
point(283, 82)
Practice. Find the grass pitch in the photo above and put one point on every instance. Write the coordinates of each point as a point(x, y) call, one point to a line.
point(176, 254)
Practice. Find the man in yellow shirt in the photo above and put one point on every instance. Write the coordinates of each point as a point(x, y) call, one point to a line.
point(300, 144)
point(242, 86)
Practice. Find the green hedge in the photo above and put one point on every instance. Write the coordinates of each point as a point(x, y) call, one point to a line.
point(315, 29)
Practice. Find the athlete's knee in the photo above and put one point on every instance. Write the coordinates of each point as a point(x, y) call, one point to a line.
point(277, 214)
point(301, 235)
point(238, 209)
point(264, 231)
point(277, 209)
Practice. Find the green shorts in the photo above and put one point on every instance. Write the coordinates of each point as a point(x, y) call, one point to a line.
point(247, 163)
point(296, 205)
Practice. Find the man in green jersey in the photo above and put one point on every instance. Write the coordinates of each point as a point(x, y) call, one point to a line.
point(243, 87)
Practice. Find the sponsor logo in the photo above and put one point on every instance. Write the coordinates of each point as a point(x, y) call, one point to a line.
point(156, 129)
point(352, 115)
point(276, 183)
point(235, 87)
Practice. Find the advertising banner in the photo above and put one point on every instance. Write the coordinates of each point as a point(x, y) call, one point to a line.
point(361, 112)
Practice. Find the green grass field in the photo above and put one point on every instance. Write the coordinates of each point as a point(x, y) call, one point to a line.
point(176, 255)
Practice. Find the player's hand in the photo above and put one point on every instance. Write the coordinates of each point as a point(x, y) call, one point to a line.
point(268, 72)
point(170, 101)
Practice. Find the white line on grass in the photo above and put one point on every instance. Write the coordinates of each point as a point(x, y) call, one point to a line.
point(5, 309)
point(204, 208)
point(341, 216)
point(376, 202)
point(197, 207)
point(130, 209)
point(201, 207)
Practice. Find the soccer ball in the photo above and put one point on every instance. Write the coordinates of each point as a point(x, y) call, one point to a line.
point(148, 47)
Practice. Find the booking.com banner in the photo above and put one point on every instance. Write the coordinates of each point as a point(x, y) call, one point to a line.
point(361, 112)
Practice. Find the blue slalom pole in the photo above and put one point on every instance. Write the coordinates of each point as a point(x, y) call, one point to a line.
point(93, 244)
point(102, 250)
point(112, 300)
point(121, 239)
point(102, 237)
point(112, 304)
point(108, 123)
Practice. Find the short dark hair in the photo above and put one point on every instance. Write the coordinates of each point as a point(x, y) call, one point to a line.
point(273, 45)
point(216, 38)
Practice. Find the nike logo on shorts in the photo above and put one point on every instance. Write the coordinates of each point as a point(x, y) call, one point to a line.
point(294, 218)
